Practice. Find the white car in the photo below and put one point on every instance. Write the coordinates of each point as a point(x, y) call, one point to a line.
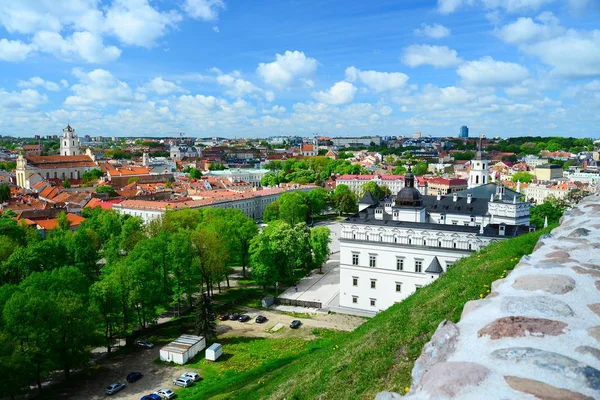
point(183, 381)
point(166, 393)
point(114, 388)
point(191, 375)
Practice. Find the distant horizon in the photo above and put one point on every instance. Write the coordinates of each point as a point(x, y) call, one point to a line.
point(218, 68)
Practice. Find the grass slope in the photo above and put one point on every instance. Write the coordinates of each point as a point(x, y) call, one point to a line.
point(379, 355)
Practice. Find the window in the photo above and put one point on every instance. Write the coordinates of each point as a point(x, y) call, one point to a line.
point(454, 222)
point(454, 244)
point(398, 287)
point(448, 265)
point(373, 284)
point(418, 265)
point(399, 264)
point(409, 241)
point(354, 281)
point(372, 261)
point(439, 243)
point(354, 259)
point(372, 302)
point(395, 239)
point(417, 287)
point(470, 246)
point(354, 299)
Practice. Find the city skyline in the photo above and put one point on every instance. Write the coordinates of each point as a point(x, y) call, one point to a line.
point(218, 68)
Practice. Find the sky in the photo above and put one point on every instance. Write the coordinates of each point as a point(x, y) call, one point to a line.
point(258, 68)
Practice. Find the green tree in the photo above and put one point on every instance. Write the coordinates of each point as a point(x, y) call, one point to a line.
point(344, 200)
point(63, 222)
point(399, 170)
point(195, 173)
point(319, 244)
point(271, 212)
point(205, 321)
point(212, 255)
point(104, 302)
point(242, 230)
point(4, 192)
point(106, 189)
point(378, 191)
point(523, 177)
point(540, 212)
point(317, 200)
point(292, 207)
point(420, 169)
point(66, 184)
point(269, 179)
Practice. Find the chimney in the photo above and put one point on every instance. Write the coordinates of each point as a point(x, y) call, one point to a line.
point(454, 196)
point(469, 196)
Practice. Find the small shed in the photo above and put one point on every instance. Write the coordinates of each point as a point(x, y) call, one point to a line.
point(182, 349)
point(268, 301)
point(214, 351)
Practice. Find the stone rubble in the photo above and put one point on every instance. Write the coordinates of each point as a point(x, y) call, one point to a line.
point(537, 335)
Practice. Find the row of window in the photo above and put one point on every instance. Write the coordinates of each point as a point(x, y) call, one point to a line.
point(423, 240)
point(373, 302)
point(374, 284)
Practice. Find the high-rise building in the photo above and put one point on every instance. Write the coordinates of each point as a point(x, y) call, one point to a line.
point(464, 132)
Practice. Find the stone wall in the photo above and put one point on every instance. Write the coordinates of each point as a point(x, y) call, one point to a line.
point(536, 335)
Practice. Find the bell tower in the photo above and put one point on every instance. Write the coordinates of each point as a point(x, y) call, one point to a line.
point(69, 142)
point(479, 174)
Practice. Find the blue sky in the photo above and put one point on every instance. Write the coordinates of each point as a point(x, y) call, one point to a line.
point(260, 68)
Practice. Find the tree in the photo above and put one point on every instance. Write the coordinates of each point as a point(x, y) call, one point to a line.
point(104, 301)
point(195, 173)
point(4, 192)
point(106, 189)
point(317, 200)
point(269, 179)
point(292, 207)
point(523, 177)
point(212, 255)
point(242, 230)
point(205, 322)
point(540, 212)
point(66, 184)
point(420, 169)
point(378, 191)
point(399, 170)
point(63, 222)
point(91, 175)
point(344, 200)
point(319, 244)
point(271, 212)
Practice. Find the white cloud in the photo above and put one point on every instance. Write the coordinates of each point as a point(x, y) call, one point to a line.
point(435, 31)
point(64, 83)
point(287, 69)
point(237, 87)
point(489, 72)
point(575, 54)
point(14, 50)
point(449, 6)
point(98, 88)
point(511, 6)
point(162, 87)
point(207, 10)
point(80, 45)
point(378, 81)
point(527, 30)
point(27, 99)
point(385, 111)
point(340, 93)
point(216, 29)
point(437, 56)
point(137, 23)
point(37, 81)
point(274, 110)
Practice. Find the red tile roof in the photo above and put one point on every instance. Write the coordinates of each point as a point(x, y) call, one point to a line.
point(48, 224)
point(60, 161)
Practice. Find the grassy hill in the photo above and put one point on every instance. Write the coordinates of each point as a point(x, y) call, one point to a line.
point(379, 355)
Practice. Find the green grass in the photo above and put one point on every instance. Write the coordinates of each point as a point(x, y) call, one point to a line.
point(378, 355)
point(248, 360)
point(240, 297)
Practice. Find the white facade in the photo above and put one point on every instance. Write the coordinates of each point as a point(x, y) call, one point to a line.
point(394, 182)
point(178, 152)
point(252, 176)
point(182, 349)
point(69, 142)
point(479, 174)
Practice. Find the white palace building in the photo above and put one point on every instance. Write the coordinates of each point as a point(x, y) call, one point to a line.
point(394, 246)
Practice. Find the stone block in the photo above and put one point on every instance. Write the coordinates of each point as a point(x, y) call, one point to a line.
point(542, 390)
point(438, 349)
point(555, 284)
point(511, 327)
point(544, 305)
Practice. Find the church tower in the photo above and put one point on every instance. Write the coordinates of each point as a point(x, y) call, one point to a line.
point(69, 142)
point(479, 174)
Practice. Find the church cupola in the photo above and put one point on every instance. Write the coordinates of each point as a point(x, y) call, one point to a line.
point(479, 174)
point(409, 196)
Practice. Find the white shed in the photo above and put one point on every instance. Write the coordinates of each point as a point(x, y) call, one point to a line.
point(214, 351)
point(182, 349)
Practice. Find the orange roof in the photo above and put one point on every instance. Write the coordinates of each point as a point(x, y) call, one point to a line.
point(308, 147)
point(49, 192)
point(52, 223)
point(124, 171)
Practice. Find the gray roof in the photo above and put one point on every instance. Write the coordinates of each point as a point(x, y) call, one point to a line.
point(485, 192)
point(368, 198)
point(434, 267)
point(447, 205)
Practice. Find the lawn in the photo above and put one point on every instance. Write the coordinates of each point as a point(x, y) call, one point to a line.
point(249, 360)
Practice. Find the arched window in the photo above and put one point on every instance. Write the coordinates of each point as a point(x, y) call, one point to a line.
point(477, 179)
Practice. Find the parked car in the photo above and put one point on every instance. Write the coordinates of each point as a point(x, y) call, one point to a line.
point(295, 324)
point(260, 319)
point(166, 393)
point(223, 317)
point(192, 375)
point(234, 316)
point(151, 396)
point(144, 344)
point(114, 388)
point(183, 381)
point(244, 318)
point(134, 376)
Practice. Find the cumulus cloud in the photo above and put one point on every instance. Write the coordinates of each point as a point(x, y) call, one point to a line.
point(340, 93)
point(27, 99)
point(237, 87)
point(527, 30)
point(435, 31)
point(98, 88)
point(436, 56)
point(511, 6)
point(79, 46)
point(489, 72)
point(14, 50)
point(207, 10)
point(37, 81)
point(288, 69)
point(162, 87)
point(378, 81)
